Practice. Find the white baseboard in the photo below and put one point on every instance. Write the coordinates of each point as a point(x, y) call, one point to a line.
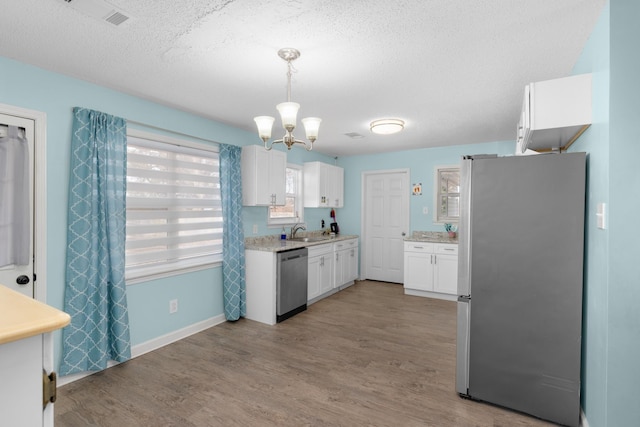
point(154, 344)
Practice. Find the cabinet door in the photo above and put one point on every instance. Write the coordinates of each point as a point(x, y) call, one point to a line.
point(418, 271)
point(446, 274)
point(326, 273)
point(338, 268)
point(277, 176)
point(353, 264)
point(323, 185)
point(263, 176)
point(21, 390)
point(335, 186)
point(263, 184)
point(314, 277)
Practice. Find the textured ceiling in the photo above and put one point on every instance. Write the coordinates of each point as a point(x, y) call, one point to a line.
point(454, 70)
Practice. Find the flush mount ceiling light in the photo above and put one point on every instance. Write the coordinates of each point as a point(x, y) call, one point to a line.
point(288, 112)
point(386, 126)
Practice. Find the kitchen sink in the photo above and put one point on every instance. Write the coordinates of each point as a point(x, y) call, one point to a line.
point(309, 239)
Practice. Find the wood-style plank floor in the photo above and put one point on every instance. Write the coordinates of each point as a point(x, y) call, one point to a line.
point(366, 356)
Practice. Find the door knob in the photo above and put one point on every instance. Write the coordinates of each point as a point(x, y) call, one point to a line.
point(404, 234)
point(22, 280)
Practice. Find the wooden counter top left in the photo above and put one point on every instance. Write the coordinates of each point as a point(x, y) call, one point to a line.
point(23, 317)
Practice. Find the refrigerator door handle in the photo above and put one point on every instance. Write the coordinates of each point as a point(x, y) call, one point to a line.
point(462, 346)
point(464, 227)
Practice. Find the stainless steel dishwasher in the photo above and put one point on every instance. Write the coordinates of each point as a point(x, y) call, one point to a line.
point(291, 285)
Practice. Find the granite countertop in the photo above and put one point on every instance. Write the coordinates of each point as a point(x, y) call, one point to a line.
point(432, 237)
point(274, 244)
point(23, 317)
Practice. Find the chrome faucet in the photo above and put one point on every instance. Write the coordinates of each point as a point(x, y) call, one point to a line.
point(295, 229)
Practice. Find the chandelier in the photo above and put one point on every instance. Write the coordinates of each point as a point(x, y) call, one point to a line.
point(288, 112)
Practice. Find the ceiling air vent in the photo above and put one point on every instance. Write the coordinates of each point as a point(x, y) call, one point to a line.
point(116, 18)
point(99, 9)
point(354, 135)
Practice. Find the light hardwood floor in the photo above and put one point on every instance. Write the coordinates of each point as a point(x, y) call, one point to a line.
point(366, 356)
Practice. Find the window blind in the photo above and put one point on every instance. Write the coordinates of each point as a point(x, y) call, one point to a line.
point(174, 213)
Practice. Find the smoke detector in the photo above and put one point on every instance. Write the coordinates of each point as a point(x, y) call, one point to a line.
point(100, 10)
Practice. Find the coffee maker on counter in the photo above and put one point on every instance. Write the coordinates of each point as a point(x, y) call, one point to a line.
point(334, 225)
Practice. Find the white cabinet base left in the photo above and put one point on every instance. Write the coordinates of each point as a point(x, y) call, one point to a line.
point(261, 286)
point(21, 364)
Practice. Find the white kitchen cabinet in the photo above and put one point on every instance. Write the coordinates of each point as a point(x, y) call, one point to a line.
point(345, 262)
point(431, 269)
point(263, 176)
point(445, 274)
point(320, 273)
point(323, 185)
point(554, 113)
point(26, 353)
point(261, 271)
point(260, 280)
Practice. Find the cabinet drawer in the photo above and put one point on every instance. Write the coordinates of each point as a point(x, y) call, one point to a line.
point(345, 244)
point(316, 250)
point(446, 249)
point(418, 247)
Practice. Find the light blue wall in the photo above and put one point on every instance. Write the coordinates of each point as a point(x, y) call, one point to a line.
point(612, 287)
point(199, 293)
point(421, 164)
point(595, 141)
point(624, 255)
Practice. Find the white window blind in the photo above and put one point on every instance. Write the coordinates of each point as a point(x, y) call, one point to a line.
point(174, 213)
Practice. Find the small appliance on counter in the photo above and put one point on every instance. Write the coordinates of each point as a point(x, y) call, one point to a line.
point(334, 225)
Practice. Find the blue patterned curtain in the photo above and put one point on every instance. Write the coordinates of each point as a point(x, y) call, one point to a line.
point(95, 294)
point(233, 278)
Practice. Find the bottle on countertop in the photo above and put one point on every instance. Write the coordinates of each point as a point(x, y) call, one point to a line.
point(283, 235)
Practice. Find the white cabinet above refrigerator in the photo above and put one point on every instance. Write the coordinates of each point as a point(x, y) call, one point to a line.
point(554, 113)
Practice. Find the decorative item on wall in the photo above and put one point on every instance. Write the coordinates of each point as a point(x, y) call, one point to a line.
point(288, 112)
point(417, 189)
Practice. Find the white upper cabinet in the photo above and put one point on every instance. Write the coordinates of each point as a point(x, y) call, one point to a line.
point(554, 113)
point(263, 176)
point(323, 185)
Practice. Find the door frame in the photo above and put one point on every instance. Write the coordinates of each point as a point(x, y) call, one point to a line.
point(363, 231)
point(40, 195)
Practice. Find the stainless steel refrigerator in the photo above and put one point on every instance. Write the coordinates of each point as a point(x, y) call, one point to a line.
point(521, 251)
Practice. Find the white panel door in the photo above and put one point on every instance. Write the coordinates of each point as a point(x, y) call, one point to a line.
point(13, 272)
point(386, 219)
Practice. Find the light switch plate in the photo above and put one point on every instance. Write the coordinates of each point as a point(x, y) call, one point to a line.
point(425, 210)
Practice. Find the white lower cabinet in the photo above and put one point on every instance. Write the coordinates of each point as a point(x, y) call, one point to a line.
point(331, 267)
point(346, 262)
point(431, 269)
point(260, 279)
point(320, 273)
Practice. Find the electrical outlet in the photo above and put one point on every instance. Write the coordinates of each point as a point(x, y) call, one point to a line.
point(255, 228)
point(425, 210)
point(173, 306)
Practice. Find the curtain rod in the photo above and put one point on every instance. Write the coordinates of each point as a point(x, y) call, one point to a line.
point(171, 131)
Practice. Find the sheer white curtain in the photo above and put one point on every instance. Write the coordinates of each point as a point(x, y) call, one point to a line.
point(14, 197)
